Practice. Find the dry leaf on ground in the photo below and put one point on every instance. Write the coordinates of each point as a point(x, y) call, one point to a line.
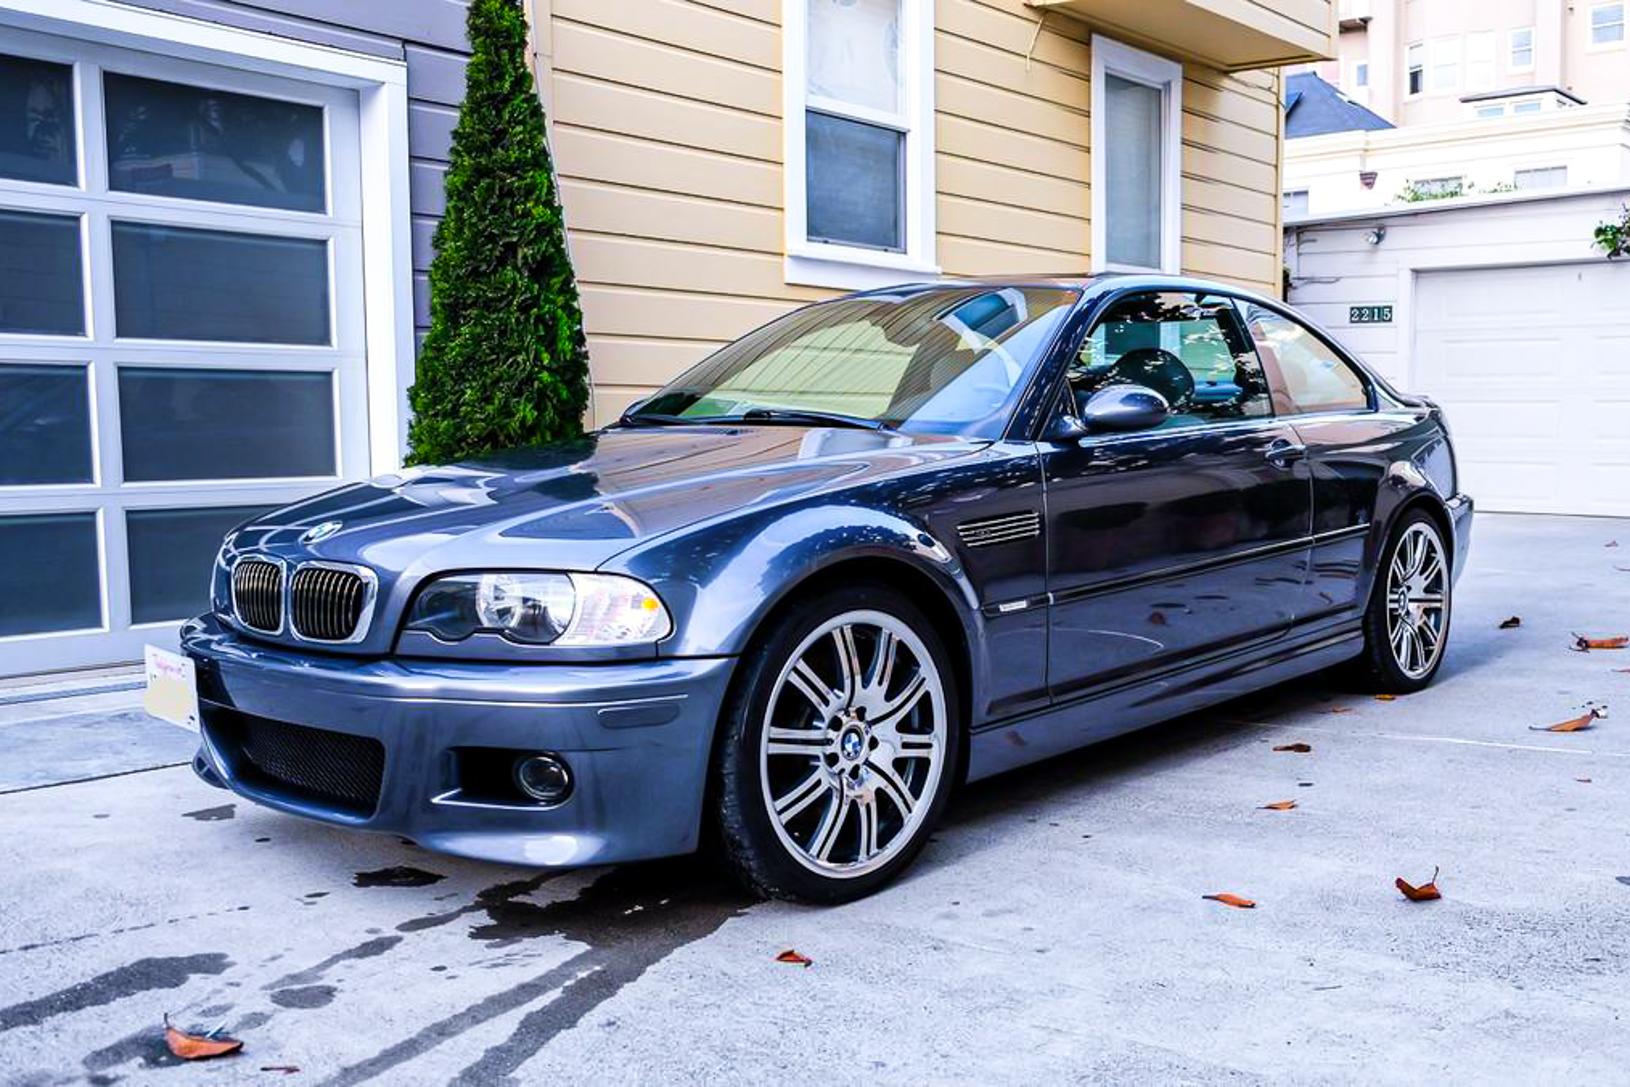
point(1574, 724)
point(1279, 805)
point(1514, 621)
point(1339, 709)
point(1298, 747)
point(1426, 892)
point(793, 958)
point(1231, 900)
point(1386, 698)
point(1582, 644)
point(197, 1047)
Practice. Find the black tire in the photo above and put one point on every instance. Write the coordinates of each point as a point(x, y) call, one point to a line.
point(1378, 668)
point(752, 846)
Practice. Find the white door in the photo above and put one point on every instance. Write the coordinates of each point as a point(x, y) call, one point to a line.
point(1533, 367)
point(181, 331)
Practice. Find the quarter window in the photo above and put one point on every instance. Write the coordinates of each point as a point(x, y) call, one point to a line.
point(1190, 349)
point(1306, 375)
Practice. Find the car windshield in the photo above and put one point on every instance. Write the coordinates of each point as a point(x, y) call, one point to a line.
point(948, 361)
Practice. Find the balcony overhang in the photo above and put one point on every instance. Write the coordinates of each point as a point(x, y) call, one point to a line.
point(1230, 35)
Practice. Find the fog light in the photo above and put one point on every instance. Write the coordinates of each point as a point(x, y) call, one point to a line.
point(545, 778)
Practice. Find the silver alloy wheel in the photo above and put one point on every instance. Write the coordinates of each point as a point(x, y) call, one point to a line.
point(1417, 599)
point(853, 744)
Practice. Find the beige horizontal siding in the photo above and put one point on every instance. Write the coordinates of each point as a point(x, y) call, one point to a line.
point(666, 122)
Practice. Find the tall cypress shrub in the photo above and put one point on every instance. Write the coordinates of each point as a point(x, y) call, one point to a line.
point(504, 363)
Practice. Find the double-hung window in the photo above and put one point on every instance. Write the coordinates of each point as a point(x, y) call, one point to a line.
point(1415, 64)
point(1446, 63)
point(1521, 57)
point(1480, 48)
point(1137, 159)
point(859, 130)
point(1607, 23)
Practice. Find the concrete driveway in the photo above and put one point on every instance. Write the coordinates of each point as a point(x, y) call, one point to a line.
point(1054, 931)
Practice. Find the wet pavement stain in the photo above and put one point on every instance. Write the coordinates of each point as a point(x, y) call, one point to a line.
point(399, 875)
point(494, 901)
point(306, 996)
point(368, 949)
point(146, 1046)
point(212, 815)
point(630, 919)
point(141, 976)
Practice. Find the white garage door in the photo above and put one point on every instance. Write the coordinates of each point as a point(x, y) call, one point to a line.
point(181, 338)
point(1533, 367)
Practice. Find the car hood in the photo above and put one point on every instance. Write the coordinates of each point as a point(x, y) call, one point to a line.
point(577, 504)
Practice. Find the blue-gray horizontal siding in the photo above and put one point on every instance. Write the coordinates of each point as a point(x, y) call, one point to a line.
point(426, 34)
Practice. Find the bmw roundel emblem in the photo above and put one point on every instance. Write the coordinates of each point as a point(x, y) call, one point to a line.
point(320, 532)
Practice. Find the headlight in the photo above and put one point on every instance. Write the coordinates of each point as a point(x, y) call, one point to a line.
point(542, 609)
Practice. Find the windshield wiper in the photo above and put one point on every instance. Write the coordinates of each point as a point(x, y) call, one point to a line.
point(809, 415)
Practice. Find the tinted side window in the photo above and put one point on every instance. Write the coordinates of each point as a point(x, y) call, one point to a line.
point(1188, 348)
point(1306, 375)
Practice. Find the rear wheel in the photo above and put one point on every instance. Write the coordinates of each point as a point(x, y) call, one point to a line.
point(1406, 625)
point(839, 747)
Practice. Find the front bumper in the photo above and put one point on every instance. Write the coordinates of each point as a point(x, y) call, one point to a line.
point(637, 736)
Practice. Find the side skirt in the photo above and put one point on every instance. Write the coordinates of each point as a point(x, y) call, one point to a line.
point(1019, 741)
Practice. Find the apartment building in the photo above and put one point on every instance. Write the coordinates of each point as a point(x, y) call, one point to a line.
point(1429, 61)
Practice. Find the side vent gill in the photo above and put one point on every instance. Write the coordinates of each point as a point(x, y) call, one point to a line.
point(989, 531)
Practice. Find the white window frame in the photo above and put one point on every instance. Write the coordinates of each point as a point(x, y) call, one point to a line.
point(1590, 26)
point(1512, 47)
point(1409, 68)
point(853, 267)
point(1361, 74)
point(1110, 57)
point(1490, 112)
point(1489, 60)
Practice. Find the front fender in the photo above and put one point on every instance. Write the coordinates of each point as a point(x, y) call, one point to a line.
point(720, 581)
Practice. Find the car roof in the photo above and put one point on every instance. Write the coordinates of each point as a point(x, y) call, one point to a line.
point(1090, 285)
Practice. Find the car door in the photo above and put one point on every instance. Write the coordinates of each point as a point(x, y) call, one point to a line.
point(1348, 443)
point(1185, 539)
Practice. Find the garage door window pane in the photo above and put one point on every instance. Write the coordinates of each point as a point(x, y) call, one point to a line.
point(171, 139)
point(45, 425)
point(171, 555)
point(225, 424)
point(48, 574)
point(171, 283)
point(41, 282)
point(37, 121)
point(854, 177)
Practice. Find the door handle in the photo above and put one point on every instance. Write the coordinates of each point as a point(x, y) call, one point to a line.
point(1282, 452)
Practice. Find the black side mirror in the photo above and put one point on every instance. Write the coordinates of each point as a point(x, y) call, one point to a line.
point(1124, 407)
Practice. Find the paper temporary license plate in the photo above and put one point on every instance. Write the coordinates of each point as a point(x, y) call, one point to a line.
point(172, 688)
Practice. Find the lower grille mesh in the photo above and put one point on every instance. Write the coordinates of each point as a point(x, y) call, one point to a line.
point(315, 764)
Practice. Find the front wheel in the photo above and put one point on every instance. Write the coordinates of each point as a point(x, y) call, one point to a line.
point(839, 746)
point(1406, 625)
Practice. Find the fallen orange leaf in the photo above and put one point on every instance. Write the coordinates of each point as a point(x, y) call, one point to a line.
point(1298, 747)
point(1514, 621)
point(1573, 724)
point(793, 958)
point(1279, 805)
point(197, 1047)
point(1582, 644)
point(1426, 892)
point(1231, 900)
